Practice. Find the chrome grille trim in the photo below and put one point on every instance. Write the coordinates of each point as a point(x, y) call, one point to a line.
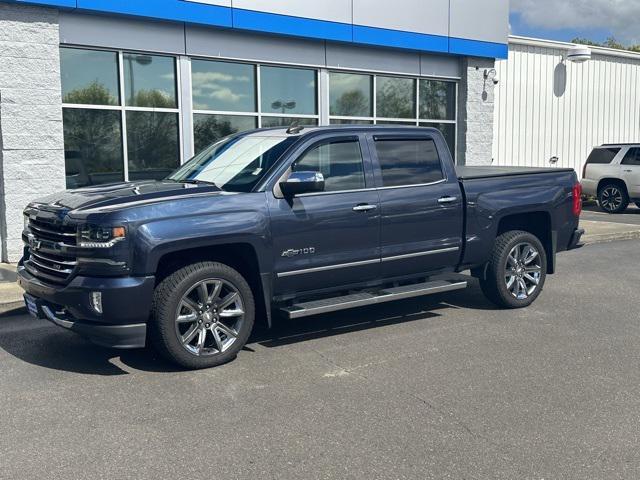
point(50, 250)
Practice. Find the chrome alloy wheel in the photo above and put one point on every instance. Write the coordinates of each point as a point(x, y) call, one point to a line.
point(523, 270)
point(209, 317)
point(611, 198)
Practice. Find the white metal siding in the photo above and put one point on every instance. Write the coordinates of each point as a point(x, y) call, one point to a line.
point(601, 104)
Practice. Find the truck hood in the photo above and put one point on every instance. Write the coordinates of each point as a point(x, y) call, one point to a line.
point(121, 195)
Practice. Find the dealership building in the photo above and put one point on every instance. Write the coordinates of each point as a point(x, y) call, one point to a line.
point(97, 91)
point(100, 91)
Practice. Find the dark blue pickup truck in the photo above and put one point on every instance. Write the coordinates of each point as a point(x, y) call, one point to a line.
point(299, 221)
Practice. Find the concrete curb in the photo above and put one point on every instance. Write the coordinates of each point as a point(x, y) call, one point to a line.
point(610, 237)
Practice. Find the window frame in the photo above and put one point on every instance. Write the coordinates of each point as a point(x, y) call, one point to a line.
point(282, 173)
point(417, 121)
point(123, 108)
point(332, 140)
point(374, 137)
point(258, 114)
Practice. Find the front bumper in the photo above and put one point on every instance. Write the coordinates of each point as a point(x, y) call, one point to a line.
point(126, 305)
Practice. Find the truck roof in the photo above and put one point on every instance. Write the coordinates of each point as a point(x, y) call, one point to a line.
point(306, 130)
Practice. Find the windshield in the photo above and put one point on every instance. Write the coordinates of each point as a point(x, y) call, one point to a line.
point(234, 164)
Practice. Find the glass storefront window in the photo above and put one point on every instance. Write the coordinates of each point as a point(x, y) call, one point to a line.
point(287, 121)
point(448, 130)
point(89, 77)
point(350, 95)
point(437, 100)
point(338, 121)
point(223, 86)
point(396, 97)
point(289, 91)
point(149, 81)
point(92, 147)
point(207, 129)
point(152, 144)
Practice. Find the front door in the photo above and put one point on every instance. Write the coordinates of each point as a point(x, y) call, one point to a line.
point(631, 172)
point(328, 239)
point(421, 204)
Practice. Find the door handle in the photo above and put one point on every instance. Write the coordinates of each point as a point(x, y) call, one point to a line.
point(628, 171)
point(364, 208)
point(447, 200)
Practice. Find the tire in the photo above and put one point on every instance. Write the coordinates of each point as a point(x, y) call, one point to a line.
point(215, 332)
point(613, 198)
point(506, 290)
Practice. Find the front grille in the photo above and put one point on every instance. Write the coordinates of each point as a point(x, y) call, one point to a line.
point(50, 250)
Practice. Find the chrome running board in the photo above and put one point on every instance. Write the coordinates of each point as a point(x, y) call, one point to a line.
point(327, 305)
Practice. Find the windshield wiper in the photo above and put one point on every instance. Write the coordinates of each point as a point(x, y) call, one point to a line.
point(198, 182)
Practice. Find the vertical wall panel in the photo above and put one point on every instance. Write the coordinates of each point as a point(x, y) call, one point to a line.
point(537, 119)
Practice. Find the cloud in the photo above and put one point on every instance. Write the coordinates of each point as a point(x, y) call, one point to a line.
point(619, 16)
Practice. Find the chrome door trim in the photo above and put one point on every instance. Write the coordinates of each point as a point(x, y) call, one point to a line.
point(365, 262)
point(327, 268)
point(420, 254)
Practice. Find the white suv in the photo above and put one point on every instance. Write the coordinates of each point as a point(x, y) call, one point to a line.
point(612, 173)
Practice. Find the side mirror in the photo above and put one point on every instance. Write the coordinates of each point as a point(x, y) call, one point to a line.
point(302, 182)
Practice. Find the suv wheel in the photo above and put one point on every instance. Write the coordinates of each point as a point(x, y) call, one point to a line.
point(516, 271)
point(203, 315)
point(613, 198)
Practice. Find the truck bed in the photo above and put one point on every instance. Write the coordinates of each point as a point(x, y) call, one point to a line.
point(470, 173)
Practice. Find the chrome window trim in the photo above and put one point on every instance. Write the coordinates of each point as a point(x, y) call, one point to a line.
point(366, 262)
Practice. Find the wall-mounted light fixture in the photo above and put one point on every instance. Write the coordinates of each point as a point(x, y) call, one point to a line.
point(578, 54)
point(493, 74)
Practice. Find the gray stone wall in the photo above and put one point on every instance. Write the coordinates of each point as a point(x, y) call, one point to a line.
point(475, 113)
point(31, 137)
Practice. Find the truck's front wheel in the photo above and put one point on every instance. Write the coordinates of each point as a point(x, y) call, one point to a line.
point(516, 271)
point(203, 315)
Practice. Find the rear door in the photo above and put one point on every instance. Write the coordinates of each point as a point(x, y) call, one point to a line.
point(420, 201)
point(631, 171)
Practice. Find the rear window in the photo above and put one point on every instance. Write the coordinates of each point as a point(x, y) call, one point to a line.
point(602, 155)
point(408, 161)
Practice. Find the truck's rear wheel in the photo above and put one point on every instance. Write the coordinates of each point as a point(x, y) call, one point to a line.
point(516, 271)
point(203, 315)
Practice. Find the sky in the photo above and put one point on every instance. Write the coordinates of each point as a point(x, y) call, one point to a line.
point(566, 19)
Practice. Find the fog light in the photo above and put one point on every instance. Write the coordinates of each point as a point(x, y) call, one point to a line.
point(96, 301)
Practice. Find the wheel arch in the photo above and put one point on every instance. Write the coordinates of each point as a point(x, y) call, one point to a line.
point(537, 223)
point(241, 256)
point(612, 180)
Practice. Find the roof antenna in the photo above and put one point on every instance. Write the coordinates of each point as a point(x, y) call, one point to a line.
point(294, 129)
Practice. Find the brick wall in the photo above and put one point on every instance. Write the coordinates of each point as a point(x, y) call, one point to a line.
point(31, 137)
point(475, 113)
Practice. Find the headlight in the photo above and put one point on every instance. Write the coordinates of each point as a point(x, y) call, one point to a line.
point(91, 236)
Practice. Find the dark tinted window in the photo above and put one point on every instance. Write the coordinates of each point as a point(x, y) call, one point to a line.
point(339, 161)
point(632, 157)
point(602, 155)
point(92, 146)
point(408, 162)
point(152, 144)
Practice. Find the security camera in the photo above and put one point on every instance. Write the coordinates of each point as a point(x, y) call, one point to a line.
point(496, 80)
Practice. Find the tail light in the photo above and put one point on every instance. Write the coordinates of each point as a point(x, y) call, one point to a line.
point(577, 199)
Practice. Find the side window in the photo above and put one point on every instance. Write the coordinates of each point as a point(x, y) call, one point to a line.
point(408, 162)
point(340, 161)
point(632, 157)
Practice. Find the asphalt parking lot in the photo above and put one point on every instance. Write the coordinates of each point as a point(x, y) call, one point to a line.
point(443, 387)
point(630, 217)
